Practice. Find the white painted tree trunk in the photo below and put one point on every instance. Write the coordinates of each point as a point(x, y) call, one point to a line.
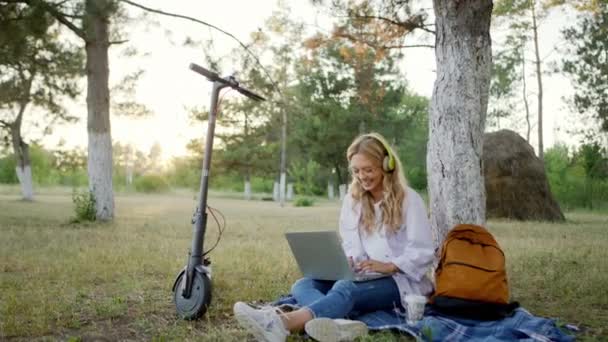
point(99, 162)
point(100, 174)
point(275, 192)
point(247, 190)
point(330, 190)
point(290, 191)
point(129, 178)
point(457, 114)
point(283, 166)
point(25, 180)
point(342, 189)
point(282, 188)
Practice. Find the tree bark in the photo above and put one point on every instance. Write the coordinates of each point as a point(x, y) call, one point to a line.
point(98, 98)
point(458, 113)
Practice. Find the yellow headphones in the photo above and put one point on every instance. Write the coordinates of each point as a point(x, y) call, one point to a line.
point(388, 164)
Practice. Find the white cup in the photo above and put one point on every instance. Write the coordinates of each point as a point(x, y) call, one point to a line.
point(415, 307)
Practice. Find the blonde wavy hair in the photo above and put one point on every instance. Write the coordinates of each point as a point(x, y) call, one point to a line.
point(375, 147)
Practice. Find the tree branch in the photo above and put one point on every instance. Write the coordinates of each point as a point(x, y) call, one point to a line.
point(57, 15)
point(5, 124)
point(73, 16)
point(274, 84)
point(405, 24)
point(409, 46)
point(376, 46)
point(117, 42)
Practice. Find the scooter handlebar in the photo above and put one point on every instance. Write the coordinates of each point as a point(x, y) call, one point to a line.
point(213, 77)
point(250, 94)
point(210, 75)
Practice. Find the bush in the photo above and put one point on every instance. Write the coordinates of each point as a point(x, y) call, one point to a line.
point(577, 181)
point(151, 183)
point(416, 178)
point(260, 184)
point(303, 202)
point(84, 205)
point(74, 178)
point(305, 177)
point(185, 172)
point(7, 170)
point(226, 181)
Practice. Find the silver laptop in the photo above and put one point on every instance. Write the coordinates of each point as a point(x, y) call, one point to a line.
point(320, 256)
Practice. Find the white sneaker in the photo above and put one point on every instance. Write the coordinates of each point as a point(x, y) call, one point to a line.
point(335, 330)
point(265, 324)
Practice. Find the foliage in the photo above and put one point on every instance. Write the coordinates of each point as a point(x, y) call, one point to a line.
point(303, 202)
point(36, 66)
point(38, 70)
point(261, 184)
point(151, 184)
point(305, 177)
point(231, 181)
point(417, 178)
point(379, 24)
point(593, 158)
point(346, 89)
point(509, 89)
point(338, 86)
point(43, 166)
point(586, 65)
point(7, 170)
point(84, 205)
point(185, 172)
point(123, 97)
point(579, 178)
point(71, 167)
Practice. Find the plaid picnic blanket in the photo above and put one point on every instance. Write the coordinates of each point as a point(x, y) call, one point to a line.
point(521, 326)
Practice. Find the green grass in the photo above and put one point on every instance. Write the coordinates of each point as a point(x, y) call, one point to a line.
point(85, 281)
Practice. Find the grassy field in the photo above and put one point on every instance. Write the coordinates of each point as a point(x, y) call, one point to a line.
point(80, 282)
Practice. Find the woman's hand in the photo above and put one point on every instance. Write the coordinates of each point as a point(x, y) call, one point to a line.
point(377, 266)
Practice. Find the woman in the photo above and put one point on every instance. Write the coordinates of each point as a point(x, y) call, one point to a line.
point(384, 228)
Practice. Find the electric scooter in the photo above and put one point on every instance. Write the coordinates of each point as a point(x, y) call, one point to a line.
point(192, 287)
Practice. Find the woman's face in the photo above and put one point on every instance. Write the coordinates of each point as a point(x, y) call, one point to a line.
point(368, 172)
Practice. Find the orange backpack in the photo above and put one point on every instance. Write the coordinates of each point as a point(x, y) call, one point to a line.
point(472, 267)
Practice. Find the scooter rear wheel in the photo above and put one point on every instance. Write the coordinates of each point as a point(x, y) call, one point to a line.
point(200, 296)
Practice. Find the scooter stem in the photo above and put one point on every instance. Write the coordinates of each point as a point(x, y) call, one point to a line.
point(200, 220)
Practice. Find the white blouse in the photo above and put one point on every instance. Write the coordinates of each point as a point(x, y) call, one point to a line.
point(375, 245)
point(410, 248)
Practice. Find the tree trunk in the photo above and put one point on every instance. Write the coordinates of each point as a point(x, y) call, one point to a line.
point(22, 156)
point(338, 173)
point(283, 176)
point(330, 189)
point(524, 93)
point(457, 114)
point(541, 154)
point(22, 150)
point(98, 98)
point(247, 185)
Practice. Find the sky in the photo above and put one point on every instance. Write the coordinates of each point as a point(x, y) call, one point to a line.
point(168, 87)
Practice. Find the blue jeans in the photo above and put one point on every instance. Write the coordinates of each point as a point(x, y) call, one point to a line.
point(343, 298)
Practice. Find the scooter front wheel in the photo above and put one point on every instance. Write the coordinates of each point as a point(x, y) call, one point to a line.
point(200, 296)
